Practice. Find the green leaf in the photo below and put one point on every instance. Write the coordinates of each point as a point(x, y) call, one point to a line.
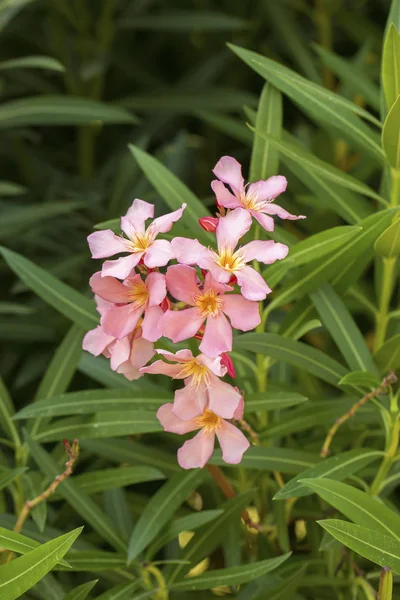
point(23, 573)
point(388, 355)
point(101, 425)
point(272, 400)
point(123, 591)
point(8, 188)
point(318, 102)
point(386, 584)
point(337, 319)
point(264, 157)
point(93, 401)
point(336, 467)
point(160, 509)
point(231, 577)
point(97, 368)
point(391, 135)
point(173, 191)
point(295, 353)
point(6, 412)
point(388, 243)
point(7, 476)
point(81, 592)
point(79, 501)
point(380, 549)
point(283, 460)
point(356, 505)
point(32, 62)
point(94, 561)
point(391, 66)
point(63, 298)
point(108, 479)
point(361, 379)
point(60, 110)
point(185, 20)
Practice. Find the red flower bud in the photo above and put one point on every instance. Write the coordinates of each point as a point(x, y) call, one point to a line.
point(166, 304)
point(233, 280)
point(228, 363)
point(208, 223)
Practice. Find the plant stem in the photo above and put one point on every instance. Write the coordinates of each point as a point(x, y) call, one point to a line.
point(389, 457)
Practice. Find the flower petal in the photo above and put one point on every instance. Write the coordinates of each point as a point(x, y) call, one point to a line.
point(214, 364)
point(182, 283)
point(252, 284)
point(187, 251)
point(224, 399)
point(275, 209)
point(120, 352)
point(231, 228)
point(229, 170)
point(266, 252)
point(172, 423)
point(141, 352)
point(178, 325)
point(217, 336)
point(122, 267)
point(151, 323)
point(212, 284)
point(243, 314)
point(233, 443)
point(109, 289)
point(159, 367)
point(265, 221)
point(164, 224)
point(181, 356)
point(120, 321)
point(105, 243)
point(138, 214)
point(159, 254)
point(96, 341)
point(240, 409)
point(189, 402)
point(224, 196)
point(157, 287)
point(268, 189)
point(196, 452)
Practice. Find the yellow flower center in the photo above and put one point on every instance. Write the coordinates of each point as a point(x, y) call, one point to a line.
point(138, 293)
point(230, 261)
point(251, 202)
point(209, 421)
point(197, 371)
point(140, 243)
point(209, 303)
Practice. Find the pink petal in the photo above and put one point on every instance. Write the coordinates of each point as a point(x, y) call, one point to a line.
point(240, 409)
point(217, 336)
point(120, 321)
point(189, 402)
point(252, 284)
point(162, 368)
point(187, 251)
point(231, 228)
point(129, 229)
point(105, 243)
point(151, 323)
point(101, 304)
point(159, 254)
point(178, 325)
point(181, 356)
point(229, 170)
point(219, 275)
point(265, 251)
point(96, 341)
point(141, 352)
point(122, 267)
point(164, 224)
point(211, 284)
point(182, 283)
point(274, 209)
point(224, 196)
point(265, 221)
point(157, 287)
point(172, 423)
point(213, 364)
point(196, 452)
point(268, 189)
point(120, 352)
point(109, 289)
point(233, 443)
point(224, 399)
point(138, 213)
point(243, 314)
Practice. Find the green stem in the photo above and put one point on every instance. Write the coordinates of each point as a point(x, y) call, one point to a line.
point(388, 459)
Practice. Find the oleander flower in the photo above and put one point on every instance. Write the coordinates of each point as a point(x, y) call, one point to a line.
point(228, 260)
point(256, 197)
point(140, 243)
point(211, 304)
point(203, 387)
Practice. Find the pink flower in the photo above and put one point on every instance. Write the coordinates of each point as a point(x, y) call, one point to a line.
point(208, 223)
point(130, 299)
point(256, 198)
point(196, 452)
point(203, 387)
point(210, 304)
point(127, 355)
point(228, 261)
point(140, 242)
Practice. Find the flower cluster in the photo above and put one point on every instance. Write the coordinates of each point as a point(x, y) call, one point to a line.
point(206, 294)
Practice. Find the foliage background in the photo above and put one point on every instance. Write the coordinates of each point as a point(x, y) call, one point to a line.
point(96, 76)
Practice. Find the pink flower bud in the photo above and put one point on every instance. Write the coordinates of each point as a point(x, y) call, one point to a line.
point(208, 223)
point(228, 363)
point(166, 304)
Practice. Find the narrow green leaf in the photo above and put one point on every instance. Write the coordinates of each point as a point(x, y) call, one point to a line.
point(337, 319)
point(296, 353)
point(33, 487)
point(8, 188)
point(82, 591)
point(336, 467)
point(23, 573)
point(66, 300)
point(173, 191)
point(185, 20)
point(32, 62)
point(283, 460)
point(224, 99)
point(380, 549)
point(388, 355)
point(160, 509)
point(264, 157)
point(108, 479)
point(356, 505)
point(7, 476)
point(232, 577)
point(122, 591)
point(361, 379)
point(94, 561)
point(272, 400)
point(6, 412)
point(388, 243)
point(391, 66)
point(391, 135)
